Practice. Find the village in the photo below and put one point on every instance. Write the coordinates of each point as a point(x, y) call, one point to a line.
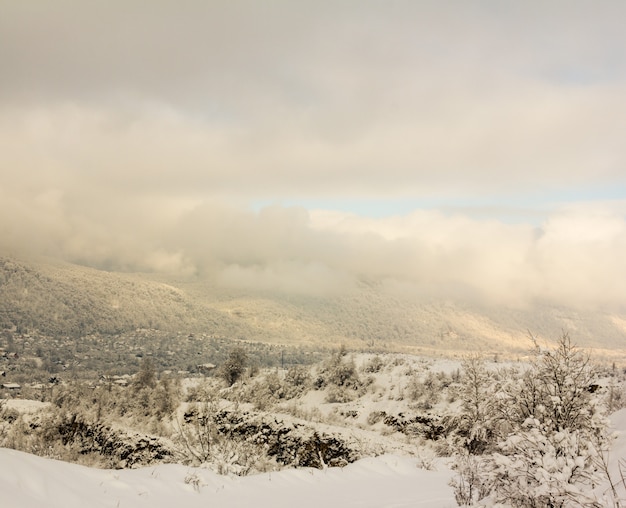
point(31, 364)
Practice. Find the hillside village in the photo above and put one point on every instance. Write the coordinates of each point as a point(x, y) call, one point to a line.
point(33, 360)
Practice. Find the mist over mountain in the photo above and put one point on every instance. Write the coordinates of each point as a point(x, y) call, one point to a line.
point(60, 299)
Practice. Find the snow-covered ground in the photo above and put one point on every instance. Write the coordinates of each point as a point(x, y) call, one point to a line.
point(394, 479)
point(25, 406)
point(27, 481)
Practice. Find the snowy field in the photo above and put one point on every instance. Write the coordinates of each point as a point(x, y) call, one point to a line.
point(27, 481)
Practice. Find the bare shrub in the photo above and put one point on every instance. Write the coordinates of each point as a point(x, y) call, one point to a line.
point(197, 432)
point(469, 485)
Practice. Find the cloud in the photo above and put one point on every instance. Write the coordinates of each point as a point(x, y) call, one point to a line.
point(294, 278)
point(575, 257)
point(134, 136)
point(572, 258)
point(580, 256)
point(307, 100)
point(490, 147)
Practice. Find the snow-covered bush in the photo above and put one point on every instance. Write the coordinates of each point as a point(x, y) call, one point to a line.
point(338, 371)
point(263, 392)
point(374, 365)
point(234, 366)
point(239, 457)
point(7, 417)
point(470, 483)
point(475, 429)
point(297, 381)
point(538, 467)
point(425, 393)
point(270, 388)
point(615, 397)
point(339, 395)
point(540, 433)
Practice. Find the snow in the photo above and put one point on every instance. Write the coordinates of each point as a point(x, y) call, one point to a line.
point(617, 456)
point(27, 481)
point(394, 480)
point(25, 405)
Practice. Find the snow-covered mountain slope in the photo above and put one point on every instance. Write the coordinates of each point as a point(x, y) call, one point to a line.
point(67, 300)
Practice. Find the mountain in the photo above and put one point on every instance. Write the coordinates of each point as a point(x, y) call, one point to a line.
point(70, 300)
point(376, 316)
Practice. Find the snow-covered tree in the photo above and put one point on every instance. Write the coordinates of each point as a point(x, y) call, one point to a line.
point(477, 421)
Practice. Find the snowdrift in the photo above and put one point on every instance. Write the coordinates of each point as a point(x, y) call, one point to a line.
point(27, 481)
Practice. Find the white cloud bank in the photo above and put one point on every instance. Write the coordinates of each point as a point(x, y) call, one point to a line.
point(577, 256)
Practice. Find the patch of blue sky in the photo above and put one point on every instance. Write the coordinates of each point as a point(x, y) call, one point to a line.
point(523, 208)
point(599, 192)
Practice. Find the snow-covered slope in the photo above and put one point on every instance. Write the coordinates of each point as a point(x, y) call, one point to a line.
point(27, 481)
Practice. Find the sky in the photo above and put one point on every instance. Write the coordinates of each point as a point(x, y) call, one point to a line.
point(461, 145)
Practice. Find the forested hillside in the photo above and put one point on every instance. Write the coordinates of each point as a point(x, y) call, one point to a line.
point(60, 299)
point(375, 316)
point(69, 300)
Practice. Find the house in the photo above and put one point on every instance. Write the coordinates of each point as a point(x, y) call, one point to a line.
point(13, 387)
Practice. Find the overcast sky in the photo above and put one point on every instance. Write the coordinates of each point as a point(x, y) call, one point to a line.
point(458, 145)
